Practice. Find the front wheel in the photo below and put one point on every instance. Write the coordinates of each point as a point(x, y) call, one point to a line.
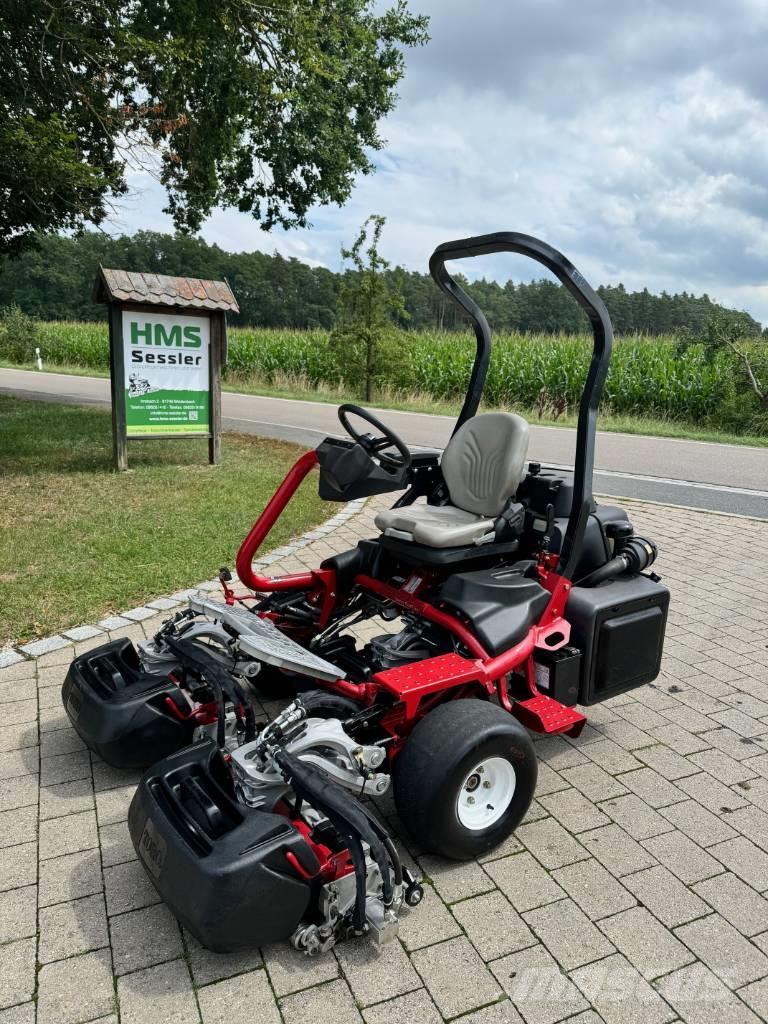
point(465, 778)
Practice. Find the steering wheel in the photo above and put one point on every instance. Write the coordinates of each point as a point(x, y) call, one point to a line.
point(376, 447)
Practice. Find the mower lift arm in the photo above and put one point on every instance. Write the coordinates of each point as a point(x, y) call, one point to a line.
point(590, 301)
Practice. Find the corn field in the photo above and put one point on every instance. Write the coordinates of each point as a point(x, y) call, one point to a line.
point(544, 372)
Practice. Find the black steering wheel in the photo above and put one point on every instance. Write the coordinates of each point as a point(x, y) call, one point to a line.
point(377, 447)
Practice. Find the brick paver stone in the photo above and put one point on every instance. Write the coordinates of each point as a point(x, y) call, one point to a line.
point(645, 942)
point(723, 949)
point(76, 989)
point(163, 993)
point(620, 994)
point(331, 1003)
point(243, 998)
point(524, 881)
point(456, 977)
point(492, 925)
point(568, 934)
point(413, 1008)
point(699, 997)
point(537, 987)
point(376, 972)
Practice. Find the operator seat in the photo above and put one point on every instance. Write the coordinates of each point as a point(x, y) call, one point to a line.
point(482, 466)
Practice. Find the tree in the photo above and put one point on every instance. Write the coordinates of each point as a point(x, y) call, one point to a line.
point(729, 335)
point(366, 309)
point(268, 108)
point(729, 330)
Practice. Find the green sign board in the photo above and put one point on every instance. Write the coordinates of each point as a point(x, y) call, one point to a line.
point(166, 366)
point(167, 344)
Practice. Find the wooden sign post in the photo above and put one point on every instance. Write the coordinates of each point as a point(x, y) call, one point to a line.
point(167, 344)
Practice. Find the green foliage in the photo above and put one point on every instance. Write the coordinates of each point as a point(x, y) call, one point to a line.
point(54, 282)
point(267, 108)
point(19, 335)
point(727, 340)
point(367, 305)
point(649, 377)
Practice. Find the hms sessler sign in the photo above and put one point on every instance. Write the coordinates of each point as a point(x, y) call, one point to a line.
point(152, 333)
point(166, 360)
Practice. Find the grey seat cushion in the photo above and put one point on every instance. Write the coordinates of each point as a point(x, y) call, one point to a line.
point(436, 526)
point(484, 462)
point(482, 468)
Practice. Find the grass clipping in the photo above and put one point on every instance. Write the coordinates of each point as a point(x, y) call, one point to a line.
point(78, 541)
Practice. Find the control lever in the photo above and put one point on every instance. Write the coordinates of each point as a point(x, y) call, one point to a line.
point(541, 526)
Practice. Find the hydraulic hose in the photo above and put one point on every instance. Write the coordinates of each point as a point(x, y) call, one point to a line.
point(394, 856)
point(325, 794)
point(355, 848)
point(340, 807)
point(635, 555)
point(222, 684)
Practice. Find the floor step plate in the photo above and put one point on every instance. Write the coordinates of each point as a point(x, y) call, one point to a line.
point(542, 714)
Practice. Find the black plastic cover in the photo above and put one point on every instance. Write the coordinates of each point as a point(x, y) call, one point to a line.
point(220, 866)
point(619, 627)
point(500, 604)
point(548, 487)
point(120, 711)
point(597, 547)
point(347, 472)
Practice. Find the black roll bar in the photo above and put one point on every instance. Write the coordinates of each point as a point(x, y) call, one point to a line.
point(592, 304)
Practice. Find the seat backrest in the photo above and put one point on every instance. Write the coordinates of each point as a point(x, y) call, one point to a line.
point(484, 462)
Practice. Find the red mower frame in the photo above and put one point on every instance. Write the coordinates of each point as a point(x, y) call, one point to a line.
point(412, 683)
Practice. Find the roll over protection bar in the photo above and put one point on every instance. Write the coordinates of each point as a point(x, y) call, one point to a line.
point(592, 304)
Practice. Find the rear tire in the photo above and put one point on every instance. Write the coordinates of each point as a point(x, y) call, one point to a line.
point(465, 778)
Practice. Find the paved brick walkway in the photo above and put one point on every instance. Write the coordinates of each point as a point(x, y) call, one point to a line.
point(635, 891)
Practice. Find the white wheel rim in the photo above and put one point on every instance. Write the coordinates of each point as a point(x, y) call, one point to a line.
point(486, 793)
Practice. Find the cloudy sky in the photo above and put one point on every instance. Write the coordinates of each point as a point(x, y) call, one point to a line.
point(631, 134)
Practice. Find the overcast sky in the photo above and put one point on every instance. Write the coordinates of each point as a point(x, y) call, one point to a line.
point(631, 134)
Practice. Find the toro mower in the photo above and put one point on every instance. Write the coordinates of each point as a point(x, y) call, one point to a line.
point(508, 599)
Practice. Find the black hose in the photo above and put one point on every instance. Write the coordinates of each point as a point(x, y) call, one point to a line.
point(334, 802)
point(334, 703)
point(615, 567)
point(222, 684)
point(394, 856)
point(325, 793)
point(355, 848)
point(636, 554)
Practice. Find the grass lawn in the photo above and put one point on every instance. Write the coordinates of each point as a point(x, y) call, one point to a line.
point(78, 541)
point(611, 422)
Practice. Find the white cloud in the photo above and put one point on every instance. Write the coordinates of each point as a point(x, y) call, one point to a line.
point(632, 136)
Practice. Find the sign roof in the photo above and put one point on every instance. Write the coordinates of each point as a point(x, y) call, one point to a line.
point(163, 290)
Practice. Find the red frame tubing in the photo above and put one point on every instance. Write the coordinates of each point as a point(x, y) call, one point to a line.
point(320, 579)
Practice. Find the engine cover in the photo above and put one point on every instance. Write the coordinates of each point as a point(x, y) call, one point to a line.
point(121, 712)
point(221, 867)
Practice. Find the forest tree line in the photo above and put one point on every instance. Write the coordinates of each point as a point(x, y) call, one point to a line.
point(54, 281)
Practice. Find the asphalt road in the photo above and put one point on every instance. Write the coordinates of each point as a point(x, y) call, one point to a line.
point(721, 477)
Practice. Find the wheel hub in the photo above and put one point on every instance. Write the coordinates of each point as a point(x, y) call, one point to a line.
point(486, 793)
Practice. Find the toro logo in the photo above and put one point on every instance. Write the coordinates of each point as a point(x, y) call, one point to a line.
point(158, 334)
point(152, 848)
